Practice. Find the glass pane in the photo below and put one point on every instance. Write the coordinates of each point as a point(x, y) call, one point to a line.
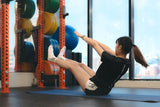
point(11, 36)
point(147, 37)
point(110, 21)
point(78, 19)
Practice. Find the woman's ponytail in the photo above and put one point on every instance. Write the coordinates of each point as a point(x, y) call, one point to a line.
point(127, 45)
point(139, 57)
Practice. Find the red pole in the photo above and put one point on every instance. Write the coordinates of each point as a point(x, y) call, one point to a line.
point(40, 43)
point(61, 41)
point(4, 48)
point(17, 27)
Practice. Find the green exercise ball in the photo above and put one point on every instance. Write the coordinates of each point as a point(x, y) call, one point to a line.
point(51, 6)
point(27, 9)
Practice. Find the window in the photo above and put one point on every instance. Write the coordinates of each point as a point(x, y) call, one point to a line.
point(147, 36)
point(12, 36)
point(77, 18)
point(110, 21)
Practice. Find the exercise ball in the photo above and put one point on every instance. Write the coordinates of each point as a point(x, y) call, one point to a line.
point(51, 68)
point(27, 9)
point(26, 25)
point(50, 23)
point(27, 53)
point(47, 42)
point(71, 39)
point(51, 6)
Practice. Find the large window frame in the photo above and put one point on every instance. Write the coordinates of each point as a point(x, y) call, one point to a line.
point(131, 34)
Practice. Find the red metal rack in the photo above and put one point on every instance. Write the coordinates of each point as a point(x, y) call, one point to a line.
point(4, 39)
point(17, 27)
point(4, 43)
point(40, 43)
point(61, 40)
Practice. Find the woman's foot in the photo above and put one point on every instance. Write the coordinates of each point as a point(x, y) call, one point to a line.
point(61, 53)
point(51, 56)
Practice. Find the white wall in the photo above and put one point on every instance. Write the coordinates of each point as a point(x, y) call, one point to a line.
point(20, 79)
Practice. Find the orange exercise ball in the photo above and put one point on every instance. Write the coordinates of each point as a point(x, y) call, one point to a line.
point(51, 68)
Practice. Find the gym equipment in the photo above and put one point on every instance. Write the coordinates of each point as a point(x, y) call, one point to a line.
point(51, 68)
point(49, 41)
point(27, 52)
point(26, 25)
point(77, 57)
point(50, 23)
point(51, 73)
point(71, 40)
point(51, 6)
point(27, 9)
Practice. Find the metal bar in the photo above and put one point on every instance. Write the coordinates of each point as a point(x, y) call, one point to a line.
point(131, 34)
point(90, 53)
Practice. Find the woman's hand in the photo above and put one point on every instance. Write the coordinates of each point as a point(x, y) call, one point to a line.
point(90, 41)
point(79, 35)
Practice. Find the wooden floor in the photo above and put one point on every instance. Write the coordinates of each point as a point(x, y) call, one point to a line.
point(19, 97)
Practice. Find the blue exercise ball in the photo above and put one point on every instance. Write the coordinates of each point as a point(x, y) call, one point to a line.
point(28, 52)
point(71, 40)
point(47, 42)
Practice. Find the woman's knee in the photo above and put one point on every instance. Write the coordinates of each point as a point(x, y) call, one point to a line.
point(74, 65)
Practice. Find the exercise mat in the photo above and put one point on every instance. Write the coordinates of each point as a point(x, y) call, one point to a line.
point(112, 95)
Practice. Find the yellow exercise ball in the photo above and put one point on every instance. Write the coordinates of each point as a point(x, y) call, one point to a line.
point(26, 25)
point(50, 23)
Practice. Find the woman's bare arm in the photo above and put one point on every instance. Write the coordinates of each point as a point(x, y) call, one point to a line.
point(94, 44)
point(106, 48)
point(91, 42)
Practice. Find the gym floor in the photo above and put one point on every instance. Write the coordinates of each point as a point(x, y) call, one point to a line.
point(19, 97)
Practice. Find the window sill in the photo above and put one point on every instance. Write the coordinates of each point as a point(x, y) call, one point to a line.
point(138, 84)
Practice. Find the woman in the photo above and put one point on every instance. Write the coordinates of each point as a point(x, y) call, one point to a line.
point(113, 66)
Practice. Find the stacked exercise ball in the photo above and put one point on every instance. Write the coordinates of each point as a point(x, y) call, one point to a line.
point(51, 6)
point(71, 40)
point(47, 42)
point(27, 10)
point(27, 25)
point(50, 20)
point(50, 23)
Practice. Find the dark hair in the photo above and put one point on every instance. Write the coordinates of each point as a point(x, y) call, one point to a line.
point(127, 44)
